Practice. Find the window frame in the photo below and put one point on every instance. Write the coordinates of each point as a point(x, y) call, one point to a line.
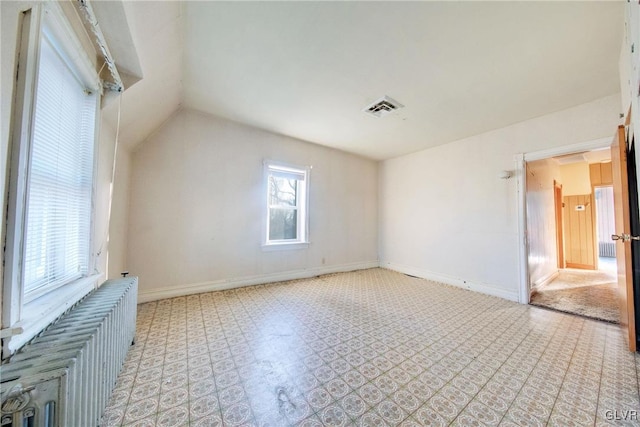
point(302, 207)
point(21, 318)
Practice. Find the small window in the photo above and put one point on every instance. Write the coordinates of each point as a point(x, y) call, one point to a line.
point(286, 204)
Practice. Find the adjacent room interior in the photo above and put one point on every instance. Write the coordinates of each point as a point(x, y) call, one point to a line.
point(570, 212)
point(319, 213)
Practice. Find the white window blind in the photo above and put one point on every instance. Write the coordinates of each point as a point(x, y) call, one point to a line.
point(286, 173)
point(60, 179)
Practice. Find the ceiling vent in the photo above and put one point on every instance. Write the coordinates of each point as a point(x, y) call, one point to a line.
point(382, 107)
point(569, 159)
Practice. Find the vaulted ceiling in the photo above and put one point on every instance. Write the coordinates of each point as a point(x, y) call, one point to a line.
point(156, 29)
point(307, 69)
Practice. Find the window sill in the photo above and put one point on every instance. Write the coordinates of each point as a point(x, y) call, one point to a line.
point(286, 246)
point(41, 312)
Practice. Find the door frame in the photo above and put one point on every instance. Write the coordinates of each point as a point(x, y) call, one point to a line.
point(558, 205)
point(520, 162)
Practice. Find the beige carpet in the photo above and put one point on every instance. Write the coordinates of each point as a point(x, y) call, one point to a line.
point(587, 293)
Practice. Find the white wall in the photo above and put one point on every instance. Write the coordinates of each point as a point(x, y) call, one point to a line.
point(541, 220)
point(110, 234)
point(629, 67)
point(445, 214)
point(197, 209)
point(119, 224)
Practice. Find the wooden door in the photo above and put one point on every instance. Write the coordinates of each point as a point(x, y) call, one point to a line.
point(623, 229)
point(580, 232)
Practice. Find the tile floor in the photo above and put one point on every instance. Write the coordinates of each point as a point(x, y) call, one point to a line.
point(370, 348)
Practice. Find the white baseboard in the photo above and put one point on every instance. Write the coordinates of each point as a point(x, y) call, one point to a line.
point(238, 282)
point(544, 281)
point(453, 281)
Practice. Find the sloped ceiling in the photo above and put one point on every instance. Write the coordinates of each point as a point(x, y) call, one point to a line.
point(306, 69)
point(157, 32)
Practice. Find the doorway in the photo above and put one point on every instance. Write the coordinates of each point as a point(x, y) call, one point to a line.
point(569, 209)
point(605, 227)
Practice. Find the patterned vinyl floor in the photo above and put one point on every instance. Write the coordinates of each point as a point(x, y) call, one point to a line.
point(370, 348)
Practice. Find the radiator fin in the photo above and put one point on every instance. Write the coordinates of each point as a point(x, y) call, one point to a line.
point(64, 377)
point(607, 249)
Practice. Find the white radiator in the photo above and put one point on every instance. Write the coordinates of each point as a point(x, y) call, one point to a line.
point(64, 377)
point(607, 249)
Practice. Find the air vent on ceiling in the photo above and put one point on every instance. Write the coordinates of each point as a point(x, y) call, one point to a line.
point(569, 159)
point(382, 107)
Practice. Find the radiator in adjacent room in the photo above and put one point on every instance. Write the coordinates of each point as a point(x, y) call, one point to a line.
point(607, 249)
point(64, 377)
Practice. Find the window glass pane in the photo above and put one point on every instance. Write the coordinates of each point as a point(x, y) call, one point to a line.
point(60, 183)
point(283, 224)
point(282, 191)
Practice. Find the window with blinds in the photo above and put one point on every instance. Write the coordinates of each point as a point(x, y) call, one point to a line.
point(57, 229)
